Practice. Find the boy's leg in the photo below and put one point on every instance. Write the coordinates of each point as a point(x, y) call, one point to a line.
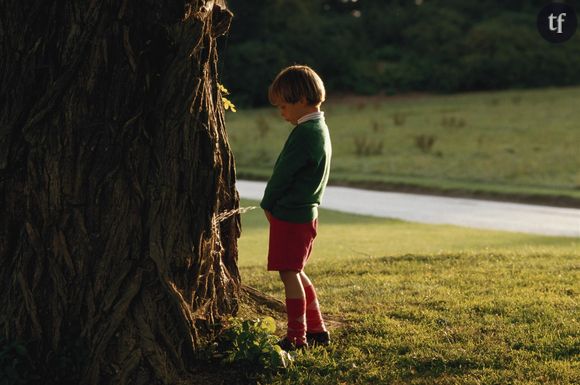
point(314, 321)
point(295, 306)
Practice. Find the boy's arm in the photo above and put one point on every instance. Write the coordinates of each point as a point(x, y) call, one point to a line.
point(292, 159)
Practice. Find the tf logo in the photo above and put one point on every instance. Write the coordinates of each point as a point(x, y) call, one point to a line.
point(557, 22)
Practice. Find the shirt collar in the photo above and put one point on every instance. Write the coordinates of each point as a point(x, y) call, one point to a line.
point(311, 116)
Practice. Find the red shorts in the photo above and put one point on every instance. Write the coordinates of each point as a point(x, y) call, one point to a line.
point(290, 244)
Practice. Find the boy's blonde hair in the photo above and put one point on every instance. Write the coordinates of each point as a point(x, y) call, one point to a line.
point(296, 82)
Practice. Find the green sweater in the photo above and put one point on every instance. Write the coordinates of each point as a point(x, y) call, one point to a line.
point(300, 175)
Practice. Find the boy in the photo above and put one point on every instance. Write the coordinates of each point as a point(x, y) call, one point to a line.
point(292, 196)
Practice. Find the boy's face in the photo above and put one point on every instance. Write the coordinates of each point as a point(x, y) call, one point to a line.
point(291, 112)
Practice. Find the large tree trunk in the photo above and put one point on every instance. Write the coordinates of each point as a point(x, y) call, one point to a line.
point(118, 247)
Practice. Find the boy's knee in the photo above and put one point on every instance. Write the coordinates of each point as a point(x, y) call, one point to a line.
point(289, 274)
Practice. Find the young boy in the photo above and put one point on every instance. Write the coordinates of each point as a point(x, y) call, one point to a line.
point(292, 197)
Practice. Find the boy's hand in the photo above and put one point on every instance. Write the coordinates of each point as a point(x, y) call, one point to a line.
point(268, 214)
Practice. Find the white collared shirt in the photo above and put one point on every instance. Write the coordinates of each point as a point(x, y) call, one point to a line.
point(311, 116)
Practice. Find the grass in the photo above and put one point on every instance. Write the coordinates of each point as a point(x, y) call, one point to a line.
point(509, 143)
point(428, 304)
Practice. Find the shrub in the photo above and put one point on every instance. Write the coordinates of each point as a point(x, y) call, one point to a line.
point(365, 146)
point(15, 363)
point(252, 344)
point(425, 142)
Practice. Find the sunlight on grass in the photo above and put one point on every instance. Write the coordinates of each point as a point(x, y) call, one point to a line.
point(428, 304)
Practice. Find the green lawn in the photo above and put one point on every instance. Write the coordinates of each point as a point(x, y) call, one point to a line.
point(428, 304)
point(518, 143)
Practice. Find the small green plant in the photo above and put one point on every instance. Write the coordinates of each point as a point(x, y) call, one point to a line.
point(15, 363)
point(399, 118)
point(365, 146)
point(252, 344)
point(377, 127)
point(425, 142)
point(19, 365)
point(452, 122)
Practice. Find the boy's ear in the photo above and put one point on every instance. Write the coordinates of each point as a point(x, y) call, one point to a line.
point(303, 101)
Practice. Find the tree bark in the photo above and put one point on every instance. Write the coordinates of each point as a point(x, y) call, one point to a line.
point(118, 229)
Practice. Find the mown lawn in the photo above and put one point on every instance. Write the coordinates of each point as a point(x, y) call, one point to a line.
point(426, 304)
point(520, 143)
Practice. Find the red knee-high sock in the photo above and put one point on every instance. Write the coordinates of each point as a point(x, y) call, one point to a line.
point(314, 321)
point(296, 310)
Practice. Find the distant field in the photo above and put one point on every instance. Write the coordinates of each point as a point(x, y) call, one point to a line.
point(512, 143)
point(426, 304)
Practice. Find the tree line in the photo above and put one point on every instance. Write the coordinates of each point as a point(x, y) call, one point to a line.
point(394, 46)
